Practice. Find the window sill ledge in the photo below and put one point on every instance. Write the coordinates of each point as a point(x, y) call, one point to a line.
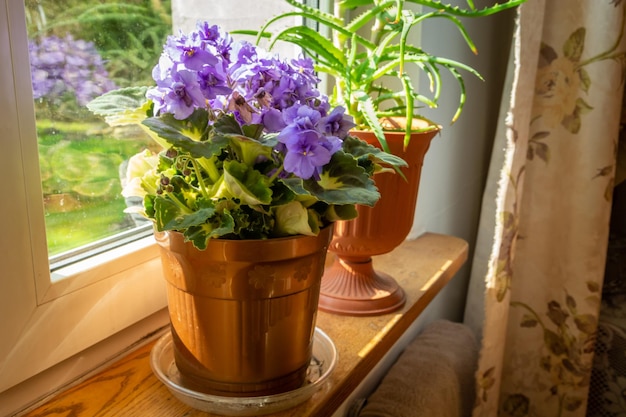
point(428, 263)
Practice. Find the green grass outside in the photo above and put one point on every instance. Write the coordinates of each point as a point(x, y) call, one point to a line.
point(79, 165)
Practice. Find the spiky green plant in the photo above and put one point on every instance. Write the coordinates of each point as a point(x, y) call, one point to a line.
point(361, 66)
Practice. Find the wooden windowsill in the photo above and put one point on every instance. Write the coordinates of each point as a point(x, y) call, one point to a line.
point(422, 267)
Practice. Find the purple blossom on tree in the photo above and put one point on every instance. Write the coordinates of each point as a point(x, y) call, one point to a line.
point(66, 65)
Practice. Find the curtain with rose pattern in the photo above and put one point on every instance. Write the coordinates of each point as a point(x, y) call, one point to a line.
point(555, 176)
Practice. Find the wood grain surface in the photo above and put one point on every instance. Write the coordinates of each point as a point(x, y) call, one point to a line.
point(422, 267)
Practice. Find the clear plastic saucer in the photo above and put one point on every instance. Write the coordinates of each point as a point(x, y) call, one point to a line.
point(322, 364)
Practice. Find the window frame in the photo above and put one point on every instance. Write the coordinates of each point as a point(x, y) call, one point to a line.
point(47, 320)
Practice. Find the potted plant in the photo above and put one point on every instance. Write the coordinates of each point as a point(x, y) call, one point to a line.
point(256, 167)
point(372, 82)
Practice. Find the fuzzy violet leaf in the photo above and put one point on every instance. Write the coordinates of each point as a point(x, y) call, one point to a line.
point(171, 216)
point(246, 184)
point(189, 134)
point(122, 107)
point(222, 225)
point(342, 181)
point(295, 219)
point(359, 149)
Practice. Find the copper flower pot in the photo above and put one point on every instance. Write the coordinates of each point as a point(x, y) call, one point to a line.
point(351, 285)
point(243, 312)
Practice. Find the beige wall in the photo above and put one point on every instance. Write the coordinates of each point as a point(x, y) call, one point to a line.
point(250, 15)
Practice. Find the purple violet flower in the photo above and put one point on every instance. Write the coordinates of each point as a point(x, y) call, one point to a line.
point(213, 82)
point(337, 123)
point(206, 69)
point(182, 97)
point(216, 37)
point(305, 154)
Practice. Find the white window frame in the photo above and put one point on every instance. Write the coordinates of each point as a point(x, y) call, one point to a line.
point(45, 319)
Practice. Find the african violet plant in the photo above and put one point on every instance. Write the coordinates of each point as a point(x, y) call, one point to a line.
point(362, 67)
point(251, 149)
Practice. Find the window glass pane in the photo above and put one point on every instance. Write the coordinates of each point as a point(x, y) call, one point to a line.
point(78, 50)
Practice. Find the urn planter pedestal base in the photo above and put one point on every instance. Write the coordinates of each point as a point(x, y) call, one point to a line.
point(352, 286)
point(356, 288)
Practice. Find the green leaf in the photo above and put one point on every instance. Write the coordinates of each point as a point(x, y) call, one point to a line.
point(344, 183)
point(119, 101)
point(457, 11)
point(246, 183)
point(167, 214)
point(341, 212)
point(351, 4)
point(359, 148)
point(223, 224)
point(292, 219)
point(187, 134)
point(314, 43)
point(379, 11)
point(575, 45)
point(281, 194)
point(249, 150)
point(125, 106)
point(227, 124)
point(367, 107)
point(253, 131)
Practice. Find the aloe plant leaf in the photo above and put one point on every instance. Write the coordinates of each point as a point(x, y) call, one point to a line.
point(409, 92)
point(314, 43)
point(351, 4)
point(462, 95)
point(471, 12)
point(367, 16)
point(314, 11)
point(368, 109)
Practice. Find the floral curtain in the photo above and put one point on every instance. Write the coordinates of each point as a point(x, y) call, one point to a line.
point(546, 217)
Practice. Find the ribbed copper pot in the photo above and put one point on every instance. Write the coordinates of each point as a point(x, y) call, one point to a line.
point(351, 285)
point(243, 312)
